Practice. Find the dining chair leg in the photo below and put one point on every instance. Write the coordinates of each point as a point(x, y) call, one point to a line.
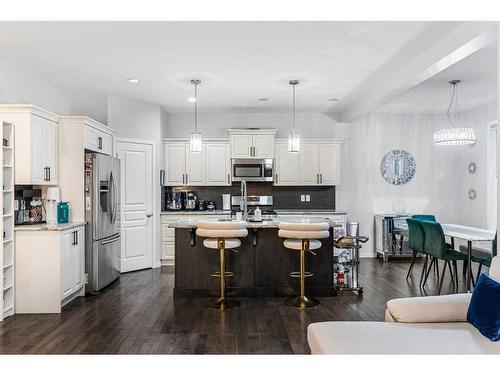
point(428, 271)
point(451, 275)
point(456, 274)
point(479, 271)
point(424, 268)
point(411, 265)
point(442, 277)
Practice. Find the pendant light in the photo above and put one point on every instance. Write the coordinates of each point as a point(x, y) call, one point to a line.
point(454, 135)
point(293, 137)
point(195, 137)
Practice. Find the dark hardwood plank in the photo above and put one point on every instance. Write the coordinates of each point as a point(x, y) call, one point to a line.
point(138, 315)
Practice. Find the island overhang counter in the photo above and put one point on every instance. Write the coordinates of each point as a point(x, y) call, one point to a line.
point(261, 265)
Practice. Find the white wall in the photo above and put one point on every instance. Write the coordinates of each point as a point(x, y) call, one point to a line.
point(314, 125)
point(20, 87)
point(140, 120)
point(441, 181)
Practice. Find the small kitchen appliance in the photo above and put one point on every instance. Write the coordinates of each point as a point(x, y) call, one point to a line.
point(202, 205)
point(174, 201)
point(211, 205)
point(191, 200)
point(53, 199)
point(254, 170)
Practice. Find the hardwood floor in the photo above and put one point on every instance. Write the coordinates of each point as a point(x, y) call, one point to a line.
point(137, 314)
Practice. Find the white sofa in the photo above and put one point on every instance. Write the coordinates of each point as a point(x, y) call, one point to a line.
point(421, 325)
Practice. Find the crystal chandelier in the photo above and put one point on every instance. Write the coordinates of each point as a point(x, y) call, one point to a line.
point(293, 137)
point(454, 135)
point(195, 137)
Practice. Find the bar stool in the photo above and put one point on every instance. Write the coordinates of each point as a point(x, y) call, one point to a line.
point(222, 236)
point(303, 237)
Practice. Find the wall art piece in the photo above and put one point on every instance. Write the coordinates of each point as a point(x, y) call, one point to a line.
point(472, 194)
point(472, 168)
point(398, 167)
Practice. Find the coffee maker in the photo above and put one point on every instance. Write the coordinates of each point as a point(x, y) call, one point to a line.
point(174, 201)
point(191, 200)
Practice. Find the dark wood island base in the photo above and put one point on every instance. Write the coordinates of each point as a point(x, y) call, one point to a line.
point(261, 267)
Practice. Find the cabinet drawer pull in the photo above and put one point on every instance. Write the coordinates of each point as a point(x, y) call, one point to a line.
point(321, 178)
point(45, 173)
point(228, 179)
point(48, 168)
point(187, 179)
point(99, 143)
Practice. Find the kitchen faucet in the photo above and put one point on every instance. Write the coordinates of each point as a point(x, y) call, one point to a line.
point(244, 198)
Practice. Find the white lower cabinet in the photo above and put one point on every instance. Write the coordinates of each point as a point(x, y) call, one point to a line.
point(167, 255)
point(51, 269)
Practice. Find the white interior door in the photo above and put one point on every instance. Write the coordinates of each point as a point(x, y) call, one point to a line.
point(136, 204)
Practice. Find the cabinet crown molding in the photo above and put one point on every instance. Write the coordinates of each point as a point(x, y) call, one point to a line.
point(29, 108)
point(204, 140)
point(252, 131)
point(85, 120)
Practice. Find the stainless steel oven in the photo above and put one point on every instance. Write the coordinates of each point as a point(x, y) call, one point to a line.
point(253, 169)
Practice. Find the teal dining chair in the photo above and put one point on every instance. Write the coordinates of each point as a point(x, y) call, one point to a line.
point(485, 260)
point(435, 245)
point(424, 217)
point(416, 244)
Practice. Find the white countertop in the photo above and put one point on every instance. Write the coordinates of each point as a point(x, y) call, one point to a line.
point(278, 211)
point(188, 223)
point(48, 227)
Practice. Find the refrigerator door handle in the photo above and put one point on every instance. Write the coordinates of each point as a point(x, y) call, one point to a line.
point(115, 200)
point(111, 240)
point(111, 198)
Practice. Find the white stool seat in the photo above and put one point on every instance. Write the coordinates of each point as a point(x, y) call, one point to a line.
point(297, 244)
point(303, 234)
point(223, 233)
point(229, 243)
point(304, 226)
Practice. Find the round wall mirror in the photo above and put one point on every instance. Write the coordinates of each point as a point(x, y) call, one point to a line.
point(398, 167)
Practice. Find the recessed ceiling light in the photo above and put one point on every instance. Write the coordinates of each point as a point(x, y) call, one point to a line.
point(263, 99)
point(132, 80)
point(191, 100)
point(333, 100)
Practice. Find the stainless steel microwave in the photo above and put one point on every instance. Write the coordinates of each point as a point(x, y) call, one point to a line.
point(253, 169)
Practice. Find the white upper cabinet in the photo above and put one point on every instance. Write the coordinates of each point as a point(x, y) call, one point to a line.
point(96, 139)
point(195, 166)
point(175, 163)
point(209, 167)
point(317, 163)
point(36, 148)
point(286, 166)
point(309, 164)
point(252, 143)
point(329, 164)
point(218, 164)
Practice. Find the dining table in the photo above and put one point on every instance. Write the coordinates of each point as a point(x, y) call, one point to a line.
point(470, 235)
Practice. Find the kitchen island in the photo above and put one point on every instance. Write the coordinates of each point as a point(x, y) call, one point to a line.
point(261, 266)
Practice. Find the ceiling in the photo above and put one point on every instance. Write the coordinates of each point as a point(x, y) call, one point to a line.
point(237, 62)
point(478, 86)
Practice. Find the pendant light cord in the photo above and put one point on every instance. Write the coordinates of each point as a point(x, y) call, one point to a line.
point(293, 107)
point(196, 107)
point(453, 95)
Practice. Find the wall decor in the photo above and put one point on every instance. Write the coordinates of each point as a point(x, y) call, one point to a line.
point(472, 194)
point(398, 167)
point(472, 168)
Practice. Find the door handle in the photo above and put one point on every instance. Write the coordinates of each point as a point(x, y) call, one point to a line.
point(45, 173)
point(99, 143)
point(74, 238)
point(321, 177)
point(149, 215)
point(276, 178)
point(187, 179)
point(48, 168)
point(228, 179)
point(113, 239)
point(317, 178)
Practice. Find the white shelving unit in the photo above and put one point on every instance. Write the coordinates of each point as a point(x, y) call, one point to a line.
point(7, 223)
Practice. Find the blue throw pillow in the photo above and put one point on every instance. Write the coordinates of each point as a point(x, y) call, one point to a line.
point(484, 308)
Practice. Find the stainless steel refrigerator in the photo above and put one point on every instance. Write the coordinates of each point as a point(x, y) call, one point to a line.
point(103, 241)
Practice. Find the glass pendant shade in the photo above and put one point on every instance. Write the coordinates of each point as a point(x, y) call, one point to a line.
point(455, 136)
point(195, 141)
point(293, 142)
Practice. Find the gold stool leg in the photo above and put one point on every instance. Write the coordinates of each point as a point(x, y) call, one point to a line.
point(221, 303)
point(302, 302)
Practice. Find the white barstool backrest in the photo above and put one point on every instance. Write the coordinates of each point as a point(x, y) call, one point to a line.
point(222, 229)
point(304, 230)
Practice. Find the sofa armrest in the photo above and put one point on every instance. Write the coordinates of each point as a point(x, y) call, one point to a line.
point(433, 309)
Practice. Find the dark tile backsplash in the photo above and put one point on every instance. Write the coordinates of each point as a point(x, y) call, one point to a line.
point(285, 197)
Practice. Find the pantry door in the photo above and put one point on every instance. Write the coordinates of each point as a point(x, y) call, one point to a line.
point(136, 208)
